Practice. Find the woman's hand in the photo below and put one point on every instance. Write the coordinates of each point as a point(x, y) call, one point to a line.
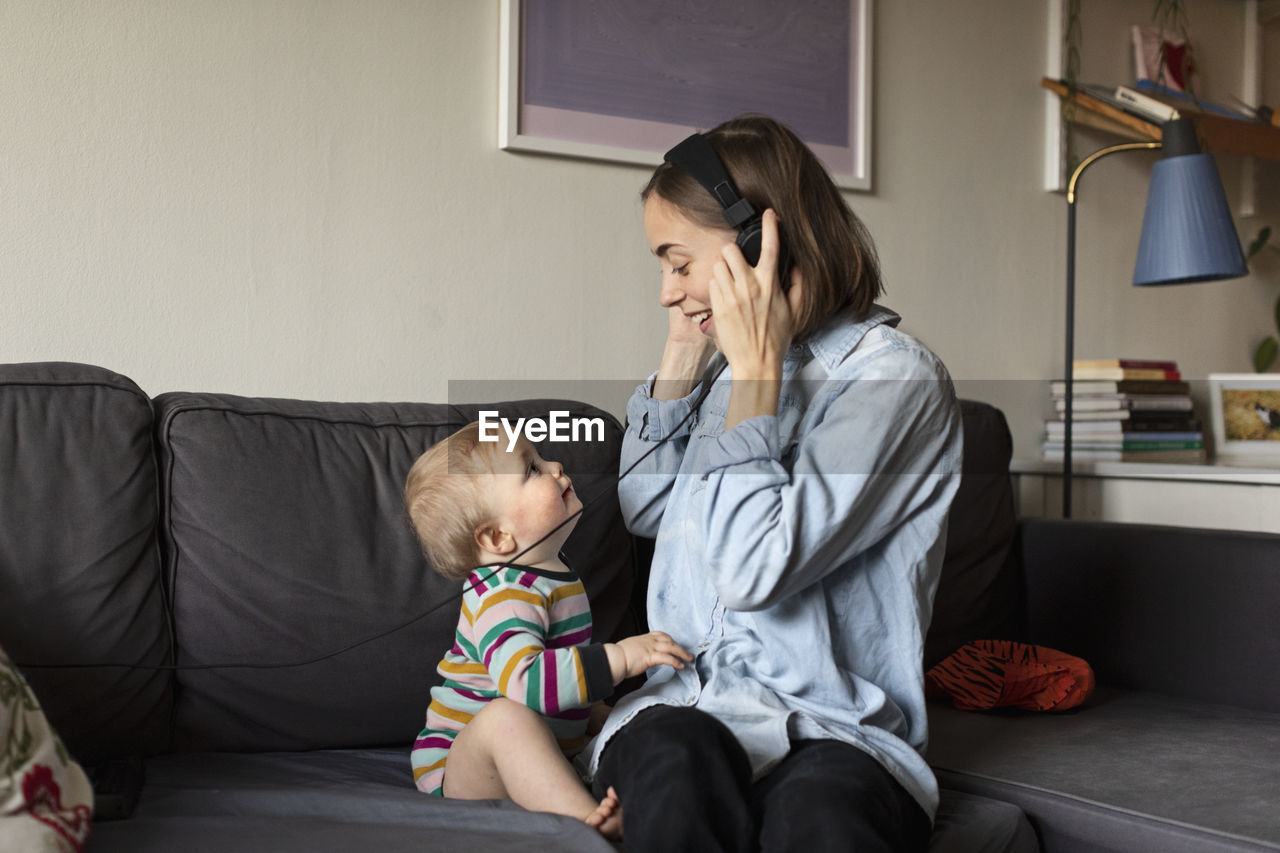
point(683, 331)
point(683, 358)
point(753, 315)
point(634, 655)
point(754, 323)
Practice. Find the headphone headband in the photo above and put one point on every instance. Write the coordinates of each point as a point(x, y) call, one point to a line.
point(696, 156)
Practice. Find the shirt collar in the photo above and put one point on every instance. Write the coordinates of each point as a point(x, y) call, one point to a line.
point(832, 343)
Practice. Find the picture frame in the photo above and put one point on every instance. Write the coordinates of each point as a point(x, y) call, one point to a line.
point(624, 81)
point(1244, 407)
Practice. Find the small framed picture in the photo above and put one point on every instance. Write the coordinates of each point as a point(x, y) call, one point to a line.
point(1246, 413)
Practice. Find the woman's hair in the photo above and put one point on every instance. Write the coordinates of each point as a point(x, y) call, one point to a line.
point(773, 168)
point(445, 504)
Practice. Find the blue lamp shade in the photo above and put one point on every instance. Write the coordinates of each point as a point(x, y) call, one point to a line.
point(1187, 231)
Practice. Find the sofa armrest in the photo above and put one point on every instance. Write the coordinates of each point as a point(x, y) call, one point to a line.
point(1182, 611)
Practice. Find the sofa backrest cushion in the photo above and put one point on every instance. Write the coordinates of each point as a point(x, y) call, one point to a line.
point(1177, 610)
point(79, 561)
point(979, 592)
point(287, 544)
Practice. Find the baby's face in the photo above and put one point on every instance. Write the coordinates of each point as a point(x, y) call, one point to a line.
point(532, 497)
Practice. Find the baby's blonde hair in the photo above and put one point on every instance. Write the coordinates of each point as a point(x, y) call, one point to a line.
point(444, 502)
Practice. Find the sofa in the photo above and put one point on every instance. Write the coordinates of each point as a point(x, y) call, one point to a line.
point(218, 598)
point(1178, 749)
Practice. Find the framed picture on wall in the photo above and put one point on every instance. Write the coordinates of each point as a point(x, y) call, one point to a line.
point(624, 80)
point(1246, 413)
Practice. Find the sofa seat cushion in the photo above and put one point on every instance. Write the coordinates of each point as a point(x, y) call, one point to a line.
point(968, 823)
point(326, 800)
point(1127, 770)
point(343, 800)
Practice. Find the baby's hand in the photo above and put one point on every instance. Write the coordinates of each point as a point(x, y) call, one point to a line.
point(634, 655)
point(599, 713)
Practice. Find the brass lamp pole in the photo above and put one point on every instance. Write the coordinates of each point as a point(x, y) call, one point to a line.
point(1071, 304)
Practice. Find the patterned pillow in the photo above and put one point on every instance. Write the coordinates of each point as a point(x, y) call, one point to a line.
point(46, 802)
point(988, 674)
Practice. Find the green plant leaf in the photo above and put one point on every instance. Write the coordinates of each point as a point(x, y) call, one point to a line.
point(1265, 355)
point(1258, 242)
point(1278, 314)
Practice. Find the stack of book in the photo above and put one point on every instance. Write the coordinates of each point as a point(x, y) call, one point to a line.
point(1125, 410)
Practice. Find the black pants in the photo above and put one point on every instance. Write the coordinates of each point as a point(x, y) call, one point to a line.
point(684, 782)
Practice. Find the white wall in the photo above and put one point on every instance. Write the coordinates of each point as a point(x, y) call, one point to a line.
point(304, 198)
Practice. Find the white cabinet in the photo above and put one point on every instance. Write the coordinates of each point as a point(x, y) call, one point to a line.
point(1215, 496)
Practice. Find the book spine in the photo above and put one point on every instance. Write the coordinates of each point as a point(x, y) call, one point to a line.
point(1159, 404)
point(1139, 363)
point(1198, 104)
point(1147, 105)
point(1192, 457)
point(1136, 403)
point(1086, 387)
point(1124, 444)
point(1118, 373)
point(1119, 428)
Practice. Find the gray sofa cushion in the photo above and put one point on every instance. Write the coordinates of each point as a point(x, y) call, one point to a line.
point(361, 800)
point(1182, 611)
point(343, 800)
point(79, 561)
point(979, 592)
point(968, 823)
point(287, 541)
point(1128, 770)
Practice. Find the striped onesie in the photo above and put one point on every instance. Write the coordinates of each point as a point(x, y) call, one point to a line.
point(524, 634)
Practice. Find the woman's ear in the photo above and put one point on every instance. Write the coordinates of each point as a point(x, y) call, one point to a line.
point(493, 539)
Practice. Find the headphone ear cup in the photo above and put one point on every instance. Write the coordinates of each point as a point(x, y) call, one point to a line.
point(749, 240)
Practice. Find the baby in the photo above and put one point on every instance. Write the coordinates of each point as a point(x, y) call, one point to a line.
point(522, 676)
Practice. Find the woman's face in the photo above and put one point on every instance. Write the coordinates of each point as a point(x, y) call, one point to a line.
point(687, 252)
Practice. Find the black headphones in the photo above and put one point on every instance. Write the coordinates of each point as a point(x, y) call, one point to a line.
point(696, 156)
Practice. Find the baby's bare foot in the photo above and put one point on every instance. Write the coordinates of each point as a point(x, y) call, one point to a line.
point(607, 817)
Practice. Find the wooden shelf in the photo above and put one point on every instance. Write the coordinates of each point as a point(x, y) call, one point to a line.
point(1219, 134)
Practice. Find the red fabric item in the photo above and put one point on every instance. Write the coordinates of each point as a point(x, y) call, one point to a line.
point(1178, 62)
point(987, 674)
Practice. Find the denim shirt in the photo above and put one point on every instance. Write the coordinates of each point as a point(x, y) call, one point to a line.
point(797, 554)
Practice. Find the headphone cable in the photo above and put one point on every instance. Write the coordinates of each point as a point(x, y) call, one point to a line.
point(693, 409)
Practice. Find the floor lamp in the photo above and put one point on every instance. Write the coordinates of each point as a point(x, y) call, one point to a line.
point(1187, 236)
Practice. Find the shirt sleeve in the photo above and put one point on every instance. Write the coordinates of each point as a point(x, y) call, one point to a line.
point(643, 492)
point(884, 452)
point(509, 624)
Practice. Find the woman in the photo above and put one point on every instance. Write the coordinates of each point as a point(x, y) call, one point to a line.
point(800, 522)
